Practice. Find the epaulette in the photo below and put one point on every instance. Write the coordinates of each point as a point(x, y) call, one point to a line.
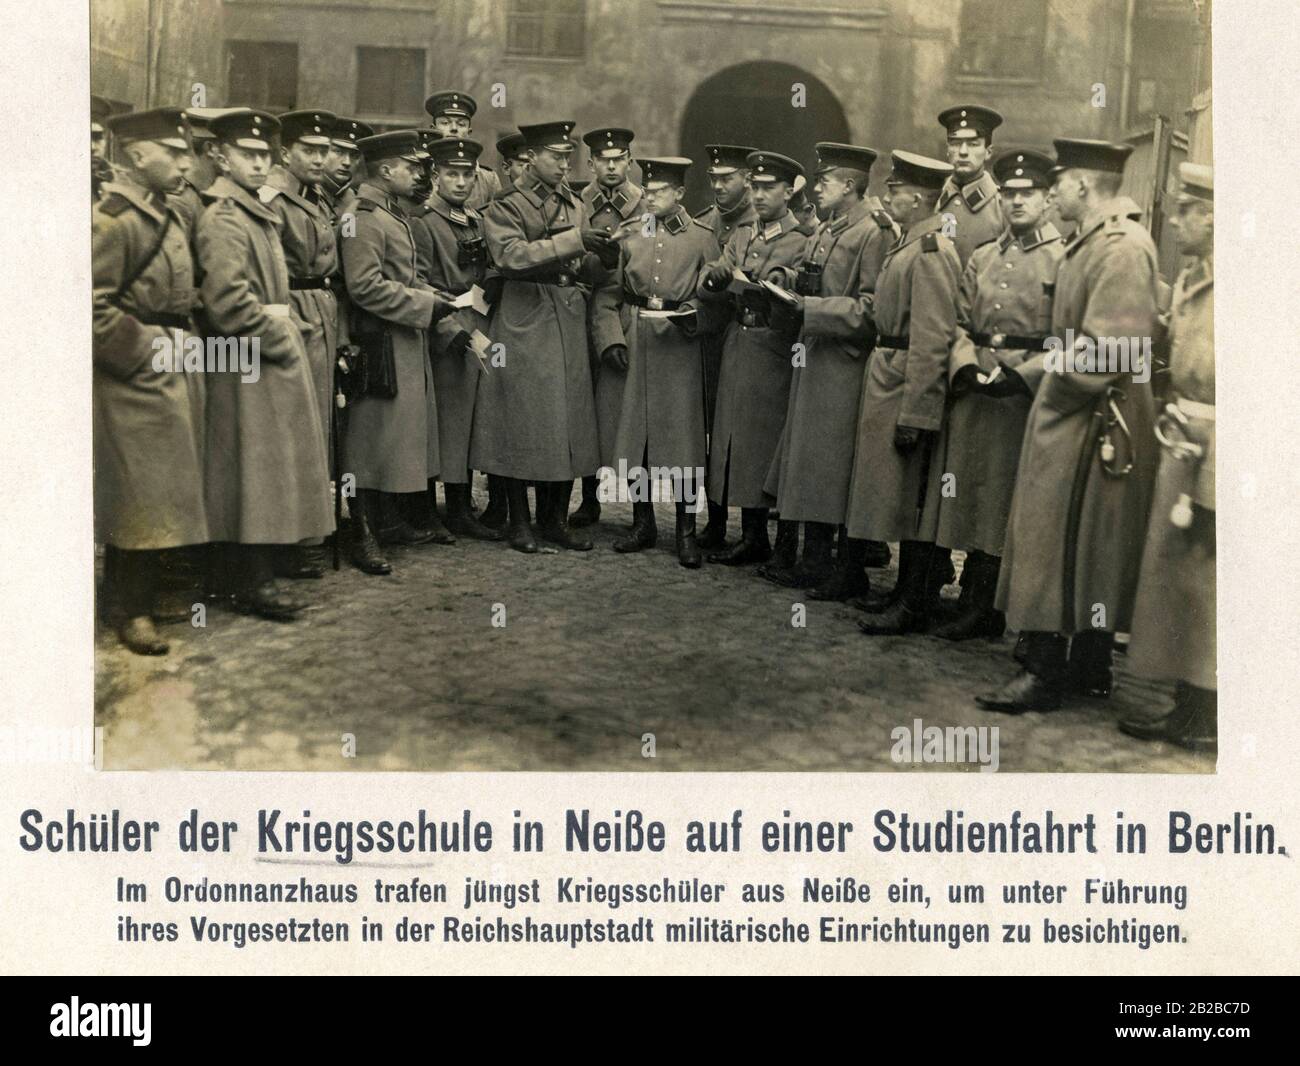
point(930, 242)
point(365, 205)
point(1116, 224)
point(267, 192)
point(695, 219)
point(470, 213)
point(114, 204)
point(701, 214)
point(883, 219)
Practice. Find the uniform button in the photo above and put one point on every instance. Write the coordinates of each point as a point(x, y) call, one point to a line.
point(1010, 266)
point(997, 307)
point(1004, 285)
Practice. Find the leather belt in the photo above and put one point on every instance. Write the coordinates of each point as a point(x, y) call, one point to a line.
point(884, 340)
point(1007, 340)
point(751, 319)
point(309, 281)
point(166, 319)
point(562, 278)
point(651, 303)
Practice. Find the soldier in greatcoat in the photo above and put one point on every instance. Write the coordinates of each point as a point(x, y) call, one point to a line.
point(147, 442)
point(609, 203)
point(459, 261)
point(452, 112)
point(534, 413)
point(1004, 315)
point(647, 322)
point(732, 208)
point(292, 192)
point(835, 289)
point(1083, 488)
point(1174, 616)
point(906, 385)
point(969, 200)
point(267, 476)
point(343, 169)
point(391, 441)
point(757, 357)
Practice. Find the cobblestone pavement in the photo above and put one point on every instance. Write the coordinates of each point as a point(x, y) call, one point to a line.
point(598, 649)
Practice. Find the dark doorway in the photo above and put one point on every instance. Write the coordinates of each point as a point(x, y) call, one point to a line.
point(751, 103)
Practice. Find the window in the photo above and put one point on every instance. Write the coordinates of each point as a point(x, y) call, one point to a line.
point(262, 74)
point(390, 81)
point(1002, 38)
point(548, 28)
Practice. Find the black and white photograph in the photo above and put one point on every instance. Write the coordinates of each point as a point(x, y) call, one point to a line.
point(652, 385)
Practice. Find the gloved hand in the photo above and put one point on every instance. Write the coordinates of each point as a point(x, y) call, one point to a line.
point(786, 318)
point(717, 274)
point(1008, 383)
point(778, 277)
point(442, 306)
point(965, 380)
point(906, 438)
point(616, 356)
point(595, 240)
point(459, 344)
point(687, 324)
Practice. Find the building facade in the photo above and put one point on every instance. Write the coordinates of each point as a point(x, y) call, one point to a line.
point(681, 73)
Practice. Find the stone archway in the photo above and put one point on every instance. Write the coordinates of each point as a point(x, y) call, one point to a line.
point(751, 103)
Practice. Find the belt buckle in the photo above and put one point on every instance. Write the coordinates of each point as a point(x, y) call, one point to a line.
point(654, 303)
point(564, 279)
point(997, 340)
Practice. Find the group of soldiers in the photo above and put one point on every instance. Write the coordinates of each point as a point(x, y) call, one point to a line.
point(867, 371)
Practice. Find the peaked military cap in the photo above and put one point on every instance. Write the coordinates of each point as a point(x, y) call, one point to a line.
point(200, 127)
point(831, 155)
point(428, 136)
point(1023, 168)
point(309, 126)
point(550, 135)
point(348, 132)
point(968, 121)
point(767, 166)
point(100, 110)
point(1090, 155)
point(451, 102)
point(455, 152)
point(663, 170)
point(1195, 182)
point(908, 168)
point(608, 142)
point(727, 158)
point(578, 184)
point(395, 144)
point(246, 128)
point(511, 146)
point(166, 125)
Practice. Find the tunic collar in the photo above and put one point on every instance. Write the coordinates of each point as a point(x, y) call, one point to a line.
point(132, 191)
point(1044, 233)
point(623, 200)
point(1119, 207)
point(677, 221)
point(975, 194)
point(539, 192)
point(462, 215)
point(852, 217)
point(379, 197)
point(225, 189)
point(770, 231)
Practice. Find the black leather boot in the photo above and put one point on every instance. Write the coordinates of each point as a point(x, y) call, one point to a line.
point(521, 532)
point(255, 590)
point(1024, 692)
point(427, 512)
point(754, 546)
point(976, 616)
point(644, 532)
point(553, 518)
point(364, 551)
point(1089, 671)
point(392, 528)
point(298, 561)
point(878, 555)
point(783, 568)
point(714, 536)
point(139, 636)
point(688, 550)
point(460, 519)
point(1192, 723)
point(588, 512)
point(497, 513)
point(849, 578)
point(910, 612)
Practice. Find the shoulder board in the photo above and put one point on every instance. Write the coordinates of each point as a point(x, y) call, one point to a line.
point(930, 242)
point(114, 204)
point(882, 219)
point(267, 192)
point(701, 214)
point(1117, 224)
point(471, 213)
point(991, 240)
point(695, 220)
point(363, 204)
